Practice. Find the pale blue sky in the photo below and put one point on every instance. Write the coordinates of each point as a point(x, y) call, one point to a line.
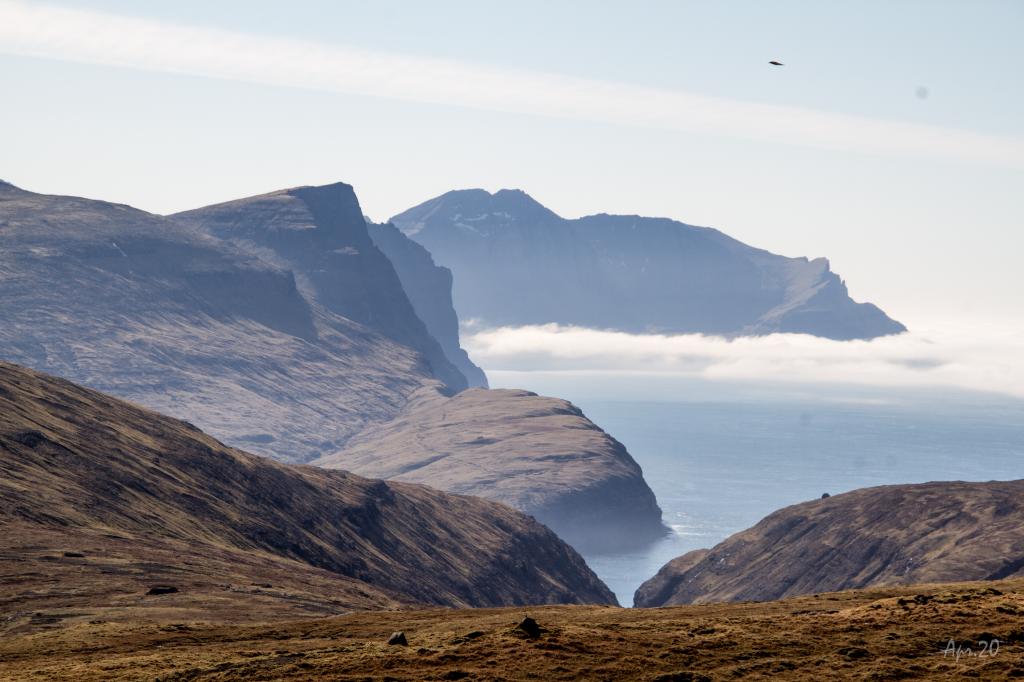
point(928, 236)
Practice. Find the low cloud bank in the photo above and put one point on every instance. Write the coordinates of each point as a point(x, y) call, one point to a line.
point(974, 357)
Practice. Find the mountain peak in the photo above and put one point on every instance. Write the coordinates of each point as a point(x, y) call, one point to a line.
point(474, 210)
point(521, 201)
point(506, 196)
point(340, 190)
point(515, 194)
point(335, 210)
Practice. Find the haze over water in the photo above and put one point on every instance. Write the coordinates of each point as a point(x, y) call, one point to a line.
point(721, 458)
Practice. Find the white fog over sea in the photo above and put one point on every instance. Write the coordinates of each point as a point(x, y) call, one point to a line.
point(722, 449)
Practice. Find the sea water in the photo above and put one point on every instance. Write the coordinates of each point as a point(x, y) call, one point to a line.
point(718, 466)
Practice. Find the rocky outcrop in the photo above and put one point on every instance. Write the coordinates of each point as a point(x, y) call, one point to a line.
point(540, 455)
point(163, 314)
point(626, 272)
point(890, 535)
point(154, 502)
point(319, 233)
point(429, 287)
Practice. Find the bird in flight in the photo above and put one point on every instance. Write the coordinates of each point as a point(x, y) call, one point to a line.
point(775, 63)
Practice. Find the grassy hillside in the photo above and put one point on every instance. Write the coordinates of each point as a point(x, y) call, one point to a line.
point(100, 501)
point(869, 635)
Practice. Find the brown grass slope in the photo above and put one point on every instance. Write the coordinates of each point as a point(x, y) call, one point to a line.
point(146, 499)
point(889, 535)
point(537, 454)
point(878, 635)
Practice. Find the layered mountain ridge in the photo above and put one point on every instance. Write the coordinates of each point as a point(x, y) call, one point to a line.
point(518, 263)
point(161, 313)
point(276, 324)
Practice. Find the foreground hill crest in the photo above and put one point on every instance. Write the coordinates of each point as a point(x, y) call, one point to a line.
point(139, 500)
point(888, 535)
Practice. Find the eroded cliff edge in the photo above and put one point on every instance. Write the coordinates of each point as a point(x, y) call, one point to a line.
point(538, 454)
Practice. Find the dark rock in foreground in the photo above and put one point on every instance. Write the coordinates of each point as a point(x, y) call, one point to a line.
point(161, 589)
point(529, 626)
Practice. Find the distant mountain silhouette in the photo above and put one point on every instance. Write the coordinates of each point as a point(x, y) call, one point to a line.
point(429, 288)
point(515, 262)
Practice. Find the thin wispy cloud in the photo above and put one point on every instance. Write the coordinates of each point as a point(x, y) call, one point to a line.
point(982, 359)
point(54, 32)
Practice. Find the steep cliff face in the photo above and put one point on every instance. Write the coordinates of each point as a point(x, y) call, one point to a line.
point(142, 498)
point(162, 314)
point(540, 455)
point(626, 272)
point(429, 288)
point(891, 535)
point(319, 233)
